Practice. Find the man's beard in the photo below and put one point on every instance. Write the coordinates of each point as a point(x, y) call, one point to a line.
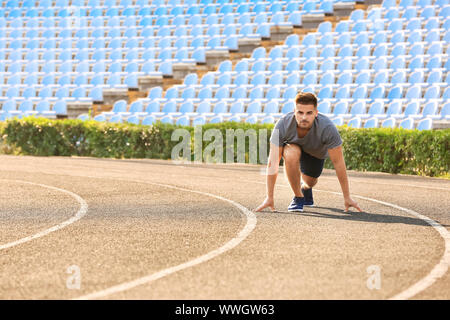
point(304, 125)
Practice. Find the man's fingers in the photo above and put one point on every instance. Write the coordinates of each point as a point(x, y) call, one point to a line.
point(354, 204)
point(259, 208)
point(263, 206)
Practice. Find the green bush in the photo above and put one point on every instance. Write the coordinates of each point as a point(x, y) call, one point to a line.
point(385, 150)
point(45, 137)
point(396, 150)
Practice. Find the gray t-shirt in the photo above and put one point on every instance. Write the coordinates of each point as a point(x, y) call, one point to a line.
point(322, 136)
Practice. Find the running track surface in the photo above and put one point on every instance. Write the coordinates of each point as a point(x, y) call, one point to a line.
point(148, 229)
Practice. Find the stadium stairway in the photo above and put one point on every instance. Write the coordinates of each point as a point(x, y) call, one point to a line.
point(236, 56)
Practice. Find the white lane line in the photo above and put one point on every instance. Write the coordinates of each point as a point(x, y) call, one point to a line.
point(437, 272)
point(243, 233)
point(392, 184)
point(355, 180)
point(81, 212)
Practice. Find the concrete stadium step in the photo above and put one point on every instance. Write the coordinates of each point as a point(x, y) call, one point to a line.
point(235, 57)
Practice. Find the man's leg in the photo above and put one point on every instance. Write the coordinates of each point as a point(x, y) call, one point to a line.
point(311, 168)
point(308, 182)
point(291, 156)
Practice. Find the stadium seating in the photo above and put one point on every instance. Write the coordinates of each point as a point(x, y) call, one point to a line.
point(387, 66)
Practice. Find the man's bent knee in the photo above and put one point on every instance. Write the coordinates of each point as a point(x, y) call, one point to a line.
point(291, 152)
point(309, 181)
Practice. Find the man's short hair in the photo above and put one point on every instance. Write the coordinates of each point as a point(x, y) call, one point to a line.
point(306, 98)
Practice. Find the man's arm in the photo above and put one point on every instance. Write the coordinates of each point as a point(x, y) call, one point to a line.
point(337, 157)
point(273, 163)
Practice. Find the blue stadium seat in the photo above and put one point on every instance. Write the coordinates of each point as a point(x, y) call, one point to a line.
point(432, 92)
point(355, 122)
point(216, 119)
point(412, 109)
point(119, 106)
point(341, 109)
point(220, 107)
point(153, 107)
point(83, 117)
point(371, 123)
point(273, 93)
point(394, 109)
point(425, 124)
point(342, 92)
point(377, 92)
point(446, 94)
point(188, 93)
point(362, 65)
point(256, 93)
point(327, 65)
point(254, 108)
point(345, 78)
point(407, 123)
point(388, 123)
point(343, 39)
point(359, 109)
point(205, 93)
point(430, 110)
point(396, 92)
point(325, 92)
point(288, 106)
point(149, 120)
point(324, 27)
point(272, 108)
point(414, 92)
point(345, 51)
point(445, 111)
point(100, 118)
point(377, 110)
point(204, 108)
point(338, 121)
point(198, 121)
point(294, 65)
point(183, 121)
point(168, 119)
point(310, 79)
point(133, 120)
point(363, 51)
point(324, 107)
point(326, 79)
point(293, 79)
point(398, 78)
point(136, 107)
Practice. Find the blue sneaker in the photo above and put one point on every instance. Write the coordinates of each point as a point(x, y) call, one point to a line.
point(307, 193)
point(296, 204)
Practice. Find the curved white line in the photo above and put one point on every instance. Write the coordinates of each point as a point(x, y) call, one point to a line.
point(437, 272)
point(81, 212)
point(248, 228)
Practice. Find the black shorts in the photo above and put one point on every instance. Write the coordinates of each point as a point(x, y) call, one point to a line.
point(311, 166)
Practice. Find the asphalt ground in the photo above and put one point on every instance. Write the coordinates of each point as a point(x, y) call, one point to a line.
point(149, 229)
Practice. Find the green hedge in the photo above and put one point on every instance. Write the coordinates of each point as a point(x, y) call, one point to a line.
point(385, 150)
point(397, 150)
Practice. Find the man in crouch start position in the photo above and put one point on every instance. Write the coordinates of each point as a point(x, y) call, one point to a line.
point(304, 138)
